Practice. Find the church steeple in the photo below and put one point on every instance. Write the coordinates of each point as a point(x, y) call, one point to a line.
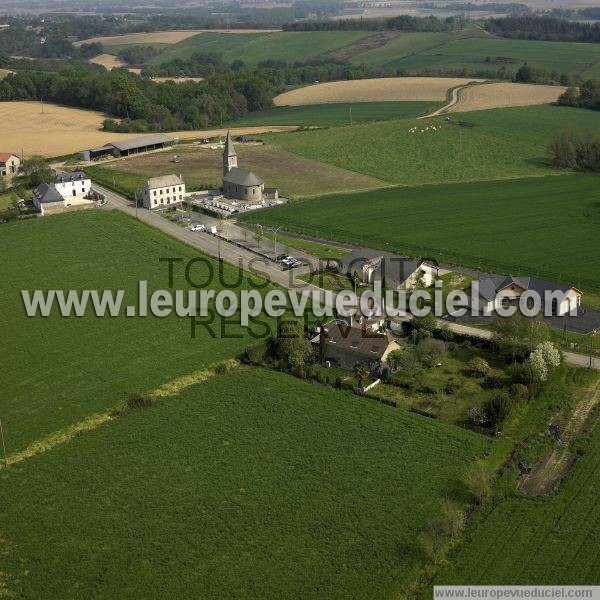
point(229, 155)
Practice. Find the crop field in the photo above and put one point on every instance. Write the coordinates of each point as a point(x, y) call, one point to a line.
point(504, 95)
point(525, 540)
point(253, 48)
point(225, 491)
point(484, 145)
point(512, 226)
point(293, 175)
point(64, 369)
point(486, 52)
point(4, 73)
point(54, 130)
point(336, 113)
point(372, 90)
point(108, 61)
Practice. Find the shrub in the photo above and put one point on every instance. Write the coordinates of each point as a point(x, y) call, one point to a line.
point(428, 388)
point(492, 382)
point(477, 482)
point(521, 374)
point(257, 354)
point(451, 386)
point(452, 347)
point(338, 382)
point(478, 367)
point(497, 408)
point(133, 401)
point(519, 391)
point(431, 351)
point(477, 415)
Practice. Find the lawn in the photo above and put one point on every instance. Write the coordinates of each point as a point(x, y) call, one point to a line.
point(524, 540)
point(493, 144)
point(252, 484)
point(253, 48)
point(58, 371)
point(322, 251)
point(513, 226)
point(294, 176)
point(335, 114)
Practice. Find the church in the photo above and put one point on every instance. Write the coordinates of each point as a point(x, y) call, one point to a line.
point(241, 184)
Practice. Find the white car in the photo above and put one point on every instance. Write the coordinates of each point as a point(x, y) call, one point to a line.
point(198, 228)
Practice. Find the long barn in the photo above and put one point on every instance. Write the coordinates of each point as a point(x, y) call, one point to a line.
point(137, 145)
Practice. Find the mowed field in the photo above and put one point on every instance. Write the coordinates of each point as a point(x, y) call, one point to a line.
point(293, 175)
point(253, 48)
point(484, 145)
point(372, 90)
point(503, 95)
point(251, 484)
point(60, 130)
point(63, 370)
point(529, 541)
point(538, 227)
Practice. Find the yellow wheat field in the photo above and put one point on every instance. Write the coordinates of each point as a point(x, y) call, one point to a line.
point(503, 95)
point(372, 90)
point(108, 61)
point(60, 130)
point(162, 37)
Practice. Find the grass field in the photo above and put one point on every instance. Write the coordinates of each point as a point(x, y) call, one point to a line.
point(61, 370)
point(335, 114)
point(293, 175)
point(501, 143)
point(228, 491)
point(525, 540)
point(253, 48)
point(513, 226)
point(391, 89)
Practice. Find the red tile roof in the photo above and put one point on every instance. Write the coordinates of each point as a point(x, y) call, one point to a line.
point(4, 156)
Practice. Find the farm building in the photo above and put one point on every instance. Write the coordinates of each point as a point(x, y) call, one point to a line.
point(344, 346)
point(398, 273)
point(9, 165)
point(67, 192)
point(138, 145)
point(495, 292)
point(241, 184)
point(163, 192)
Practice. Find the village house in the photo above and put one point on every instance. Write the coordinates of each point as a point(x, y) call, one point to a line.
point(162, 192)
point(67, 192)
point(10, 164)
point(495, 292)
point(241, 184)
point(392, 272)
point(344, 346)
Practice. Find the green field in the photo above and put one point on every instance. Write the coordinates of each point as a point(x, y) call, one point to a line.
point(513, 226)
point(564, 57)
point(335, 114)
point(253, 48)
point(253, 484)
point(60, 370)
point(501, 143)
point(118, 47)
point(526, 540)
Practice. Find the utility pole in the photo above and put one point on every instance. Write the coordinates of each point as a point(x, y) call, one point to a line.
point(3, 445)
point(136, 203)
point(275, 243)
point(350, 111)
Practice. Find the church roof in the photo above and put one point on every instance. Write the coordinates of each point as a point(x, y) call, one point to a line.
point(242, 177)
point(229, 150)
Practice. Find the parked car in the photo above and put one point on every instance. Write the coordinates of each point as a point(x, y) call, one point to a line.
point(199, 227)
point(280, 257)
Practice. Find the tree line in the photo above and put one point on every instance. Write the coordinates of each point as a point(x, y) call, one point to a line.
point(545, 27)
point(586, 96)
point(400, 23)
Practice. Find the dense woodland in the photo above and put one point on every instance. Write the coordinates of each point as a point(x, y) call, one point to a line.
point(530, 27)
point(401, 23)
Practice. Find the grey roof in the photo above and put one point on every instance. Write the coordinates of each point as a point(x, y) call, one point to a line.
point(395, 269)
point(228, 150)
point(46, 192)
point(242, 177)
point(143, 141)
point(163, 181)
point(490, 286)
point(75, 176)
point(354, 339)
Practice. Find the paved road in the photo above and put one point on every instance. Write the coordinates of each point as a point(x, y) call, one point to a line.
point(249, 261)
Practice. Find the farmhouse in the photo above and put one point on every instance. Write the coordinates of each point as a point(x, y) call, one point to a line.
point(138, 145)
point(9, 165)
point(344, 346)
point(495, 292)
point(398, 273)
point(67, 192)
point(163, 192)
point(240, 184)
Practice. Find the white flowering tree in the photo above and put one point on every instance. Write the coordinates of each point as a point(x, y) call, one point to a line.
point(544, 358)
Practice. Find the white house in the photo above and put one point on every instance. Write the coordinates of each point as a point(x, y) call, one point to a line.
point(67, 192)
point(496, 292)
point(9, 165)
point(163, 192)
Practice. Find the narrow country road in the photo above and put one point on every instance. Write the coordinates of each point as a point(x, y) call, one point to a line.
point(230, 253)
